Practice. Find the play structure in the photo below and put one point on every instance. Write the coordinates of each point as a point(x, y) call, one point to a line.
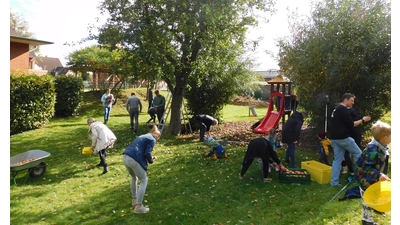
point(280, 99)
point(271, 120)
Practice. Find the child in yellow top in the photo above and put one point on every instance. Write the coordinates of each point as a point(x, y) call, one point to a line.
point(324, 147)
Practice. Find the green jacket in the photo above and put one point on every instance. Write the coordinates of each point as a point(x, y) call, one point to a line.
point(159, 101)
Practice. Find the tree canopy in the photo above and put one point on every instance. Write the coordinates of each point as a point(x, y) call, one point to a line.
point(178, 40)
point(344, 46)
point(21, 27)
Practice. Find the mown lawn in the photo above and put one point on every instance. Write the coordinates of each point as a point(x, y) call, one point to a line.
point(184, 186)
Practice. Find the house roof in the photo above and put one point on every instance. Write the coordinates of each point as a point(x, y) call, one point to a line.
point(48, 63)
point(14, 37)
point(269, 74)
point(59, 70)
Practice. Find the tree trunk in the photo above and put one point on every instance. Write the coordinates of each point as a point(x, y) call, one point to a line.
point(176, 104)
point(176, 107)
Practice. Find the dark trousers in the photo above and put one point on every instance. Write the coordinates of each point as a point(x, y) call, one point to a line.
point(246, 165)
point(152, 117)
point(323, 158)
point(203, 129)
point(349, 161)
point(134, 116)
point(290, 153)
point(160, 112)
point(102, 155)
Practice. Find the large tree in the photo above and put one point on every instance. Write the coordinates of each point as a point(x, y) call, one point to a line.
point(176, 40)
point(344, 46)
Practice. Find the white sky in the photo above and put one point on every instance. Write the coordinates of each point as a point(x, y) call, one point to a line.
point(58, 22)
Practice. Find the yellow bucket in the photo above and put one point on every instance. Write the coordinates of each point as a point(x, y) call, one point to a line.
point(378, 196)
point(87, 150)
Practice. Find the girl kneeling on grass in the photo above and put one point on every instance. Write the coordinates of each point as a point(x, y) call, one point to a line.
point(136, 158)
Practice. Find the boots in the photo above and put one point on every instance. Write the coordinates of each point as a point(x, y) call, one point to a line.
point(105, 121)
point(105, 170)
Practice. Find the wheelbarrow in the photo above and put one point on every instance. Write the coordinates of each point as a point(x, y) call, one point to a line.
point(32, 161)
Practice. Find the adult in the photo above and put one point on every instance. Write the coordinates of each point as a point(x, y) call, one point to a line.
point(107, 99)
point(356, 134)
point(341, 126)
point(102, 138)
point(159, 104)
point(150, 98)
point(136, 158)
point(291, 135)
point(134, 106)
point(261, 148)
point(205, 122)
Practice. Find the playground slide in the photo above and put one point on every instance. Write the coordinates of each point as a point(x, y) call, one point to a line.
point(269, 122)
point(271, 119)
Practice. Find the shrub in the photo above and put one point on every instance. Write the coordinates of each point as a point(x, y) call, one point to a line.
point(32, 100)
point(69, 95)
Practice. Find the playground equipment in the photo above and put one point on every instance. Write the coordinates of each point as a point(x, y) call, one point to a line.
point(282, 99)
point(271, 120)
point(290, 102)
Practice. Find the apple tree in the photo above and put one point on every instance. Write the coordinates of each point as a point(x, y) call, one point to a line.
point(179, 40)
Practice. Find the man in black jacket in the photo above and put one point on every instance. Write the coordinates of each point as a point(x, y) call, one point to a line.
point(205, 122)
point(341, 127)
point(291, 135)
point(261, 148)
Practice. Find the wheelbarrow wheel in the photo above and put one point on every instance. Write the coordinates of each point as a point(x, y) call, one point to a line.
point(38, 171)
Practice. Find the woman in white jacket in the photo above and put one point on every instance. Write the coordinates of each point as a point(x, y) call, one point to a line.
point(102, 138)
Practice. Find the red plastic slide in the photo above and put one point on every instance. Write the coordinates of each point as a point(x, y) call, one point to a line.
point(271, 120)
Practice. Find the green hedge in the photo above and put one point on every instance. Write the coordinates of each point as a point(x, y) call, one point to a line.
point(69, 95)
point(32, 100)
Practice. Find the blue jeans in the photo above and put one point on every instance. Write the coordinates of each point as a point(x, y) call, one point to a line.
point(339, 147)
point(290, 153)
point(107, 111)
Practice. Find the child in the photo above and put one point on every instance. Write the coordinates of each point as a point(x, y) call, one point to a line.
point(152, 112)
point(372, 165)
point(217, 150)
point(273, 139)
point(324, 147)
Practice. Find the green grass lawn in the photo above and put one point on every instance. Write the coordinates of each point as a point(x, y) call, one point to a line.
point(184, 186)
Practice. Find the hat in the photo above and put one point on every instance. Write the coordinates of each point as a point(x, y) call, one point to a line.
point(322, 135)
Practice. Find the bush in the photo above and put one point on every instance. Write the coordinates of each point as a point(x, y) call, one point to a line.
point(69, 95)
point(32, 100)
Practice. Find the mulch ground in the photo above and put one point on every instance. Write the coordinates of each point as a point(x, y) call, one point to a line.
point(241, 132)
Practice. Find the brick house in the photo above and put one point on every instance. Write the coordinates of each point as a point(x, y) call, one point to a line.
point(22, 59)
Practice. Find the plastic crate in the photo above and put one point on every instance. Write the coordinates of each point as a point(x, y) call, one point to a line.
point(320, 172)
point(295, 178)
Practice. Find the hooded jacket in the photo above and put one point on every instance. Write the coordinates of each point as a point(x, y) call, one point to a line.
point(291, 129)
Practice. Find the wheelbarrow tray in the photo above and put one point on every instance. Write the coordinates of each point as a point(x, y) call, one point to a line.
point(26, 160)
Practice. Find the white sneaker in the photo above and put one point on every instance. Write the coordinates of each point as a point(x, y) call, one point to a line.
point(344, 170)
point(141, 210)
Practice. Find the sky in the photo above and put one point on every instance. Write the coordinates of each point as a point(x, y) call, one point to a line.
point(55, 21)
